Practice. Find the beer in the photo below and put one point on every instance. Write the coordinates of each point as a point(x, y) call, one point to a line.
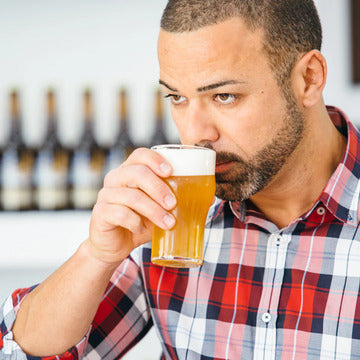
point(16, 165)
point(193, 183)
point(123, 145)
point(51, 165)
point(88, 162)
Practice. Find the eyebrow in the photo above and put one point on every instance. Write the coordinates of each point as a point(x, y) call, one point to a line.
point(219, 84)
point(207, 87)
point(168, 86)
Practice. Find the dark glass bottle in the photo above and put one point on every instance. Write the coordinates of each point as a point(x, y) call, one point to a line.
point(123, 145)
point(16, 165)
point(51, 165)
point(88, 161)
point(159, 136)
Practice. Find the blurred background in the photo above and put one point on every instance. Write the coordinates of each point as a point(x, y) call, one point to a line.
point(75, 76)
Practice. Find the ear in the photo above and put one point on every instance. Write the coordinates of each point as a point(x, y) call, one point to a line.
point(310, 74)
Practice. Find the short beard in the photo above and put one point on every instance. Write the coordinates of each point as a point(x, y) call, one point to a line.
point(246, 178)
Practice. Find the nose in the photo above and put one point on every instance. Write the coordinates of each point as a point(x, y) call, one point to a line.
point(198, 125)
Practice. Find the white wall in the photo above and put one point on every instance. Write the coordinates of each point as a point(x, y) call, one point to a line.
point(104, 44)
point(340, 91)
point(72, 44)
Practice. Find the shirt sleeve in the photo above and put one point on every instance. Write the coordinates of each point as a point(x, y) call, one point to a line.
point(122, 320)
point(123, 317)
point(9, 349)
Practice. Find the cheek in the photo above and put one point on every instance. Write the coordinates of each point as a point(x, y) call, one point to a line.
point(249, 128)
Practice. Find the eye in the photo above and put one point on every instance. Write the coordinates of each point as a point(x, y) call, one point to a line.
point(225, 98)
point(175, 99)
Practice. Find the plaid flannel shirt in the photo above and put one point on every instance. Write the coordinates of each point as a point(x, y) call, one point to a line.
point(261, 293)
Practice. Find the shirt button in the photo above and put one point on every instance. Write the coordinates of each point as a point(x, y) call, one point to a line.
point(276, 239)
point(320, 210)
point(266, 317)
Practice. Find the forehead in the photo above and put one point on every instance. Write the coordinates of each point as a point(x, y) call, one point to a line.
point(229, 45)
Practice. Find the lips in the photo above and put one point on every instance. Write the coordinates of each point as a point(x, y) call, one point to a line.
point(223, 166)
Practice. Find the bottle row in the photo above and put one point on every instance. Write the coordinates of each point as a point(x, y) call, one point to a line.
point(55, 177)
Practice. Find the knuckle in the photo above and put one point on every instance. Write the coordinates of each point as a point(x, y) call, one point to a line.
point(133, 199)
point(139, 152)
point(108, 177)
point(101, 195)
point(135, 196)
point(126, 218)
point(142, 171)
point(122, 215)
point(97, 211)
point(135, 226)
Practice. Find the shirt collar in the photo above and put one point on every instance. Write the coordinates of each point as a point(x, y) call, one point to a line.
point(341, 194)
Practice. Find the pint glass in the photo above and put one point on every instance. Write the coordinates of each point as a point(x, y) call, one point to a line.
point(193, 183)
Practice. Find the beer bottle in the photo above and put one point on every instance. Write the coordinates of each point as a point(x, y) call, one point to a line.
point(123, 145)
point(51, 165)
point(16, 165)
point(159, 137)
point(88, 163)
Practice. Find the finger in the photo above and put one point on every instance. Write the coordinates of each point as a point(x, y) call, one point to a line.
point(114, 215)
point(143, 178)
point(139, 202)
point(150, 158)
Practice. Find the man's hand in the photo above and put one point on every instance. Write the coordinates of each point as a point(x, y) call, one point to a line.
point(133, 198)
point(58, 313)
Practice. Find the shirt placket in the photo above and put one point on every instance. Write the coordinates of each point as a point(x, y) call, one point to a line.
point(265, 338)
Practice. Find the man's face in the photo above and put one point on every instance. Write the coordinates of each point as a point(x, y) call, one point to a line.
point(225, 96)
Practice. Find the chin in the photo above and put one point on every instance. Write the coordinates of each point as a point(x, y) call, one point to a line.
point(235, 192)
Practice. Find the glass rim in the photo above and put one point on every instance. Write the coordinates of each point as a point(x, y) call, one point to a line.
point(179, 146)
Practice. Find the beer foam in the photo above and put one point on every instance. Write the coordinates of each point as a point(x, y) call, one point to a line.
point(189, 161)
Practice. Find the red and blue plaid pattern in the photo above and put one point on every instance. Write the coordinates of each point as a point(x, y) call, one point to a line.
point(261, 293)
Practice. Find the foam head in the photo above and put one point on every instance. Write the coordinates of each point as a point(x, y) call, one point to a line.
point(188, 160)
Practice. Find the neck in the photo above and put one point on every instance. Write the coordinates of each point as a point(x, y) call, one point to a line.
point(303, 177)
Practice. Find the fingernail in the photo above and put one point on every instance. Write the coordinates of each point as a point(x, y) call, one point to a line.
point(165, 168)
point(169, 221)
point(170, 201)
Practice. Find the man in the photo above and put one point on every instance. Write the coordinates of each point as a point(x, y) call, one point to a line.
point(281, 273)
